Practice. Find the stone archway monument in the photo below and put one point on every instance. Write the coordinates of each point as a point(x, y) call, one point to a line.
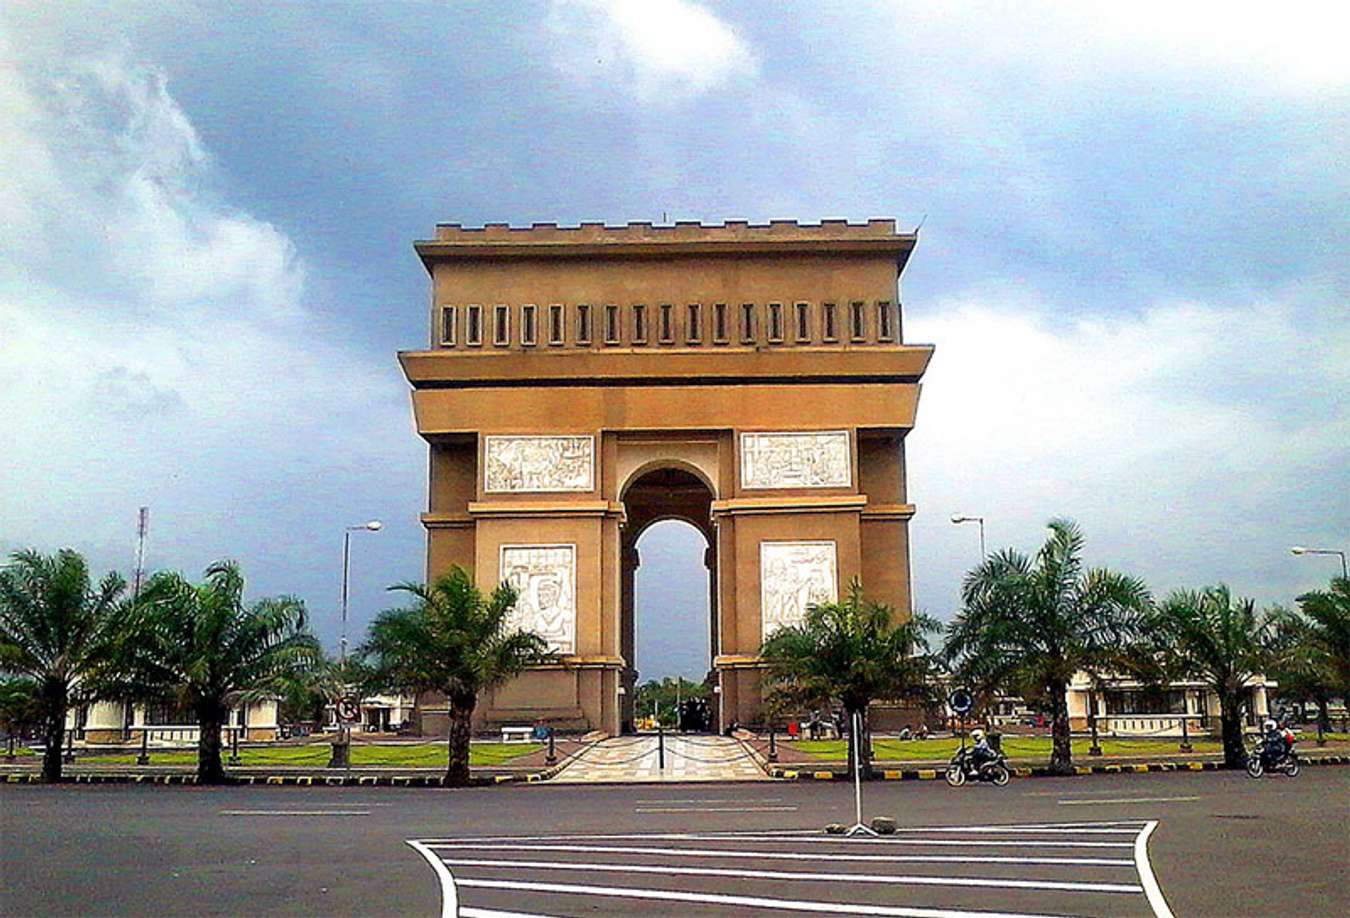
point(584, 382)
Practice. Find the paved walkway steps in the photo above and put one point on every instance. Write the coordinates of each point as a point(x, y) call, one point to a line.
point(686, 758)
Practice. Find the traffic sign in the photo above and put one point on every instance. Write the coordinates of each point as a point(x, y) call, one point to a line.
point(961, 701)
point(348, 710)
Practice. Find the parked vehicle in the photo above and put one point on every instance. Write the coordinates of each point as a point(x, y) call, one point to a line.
point(963, 768)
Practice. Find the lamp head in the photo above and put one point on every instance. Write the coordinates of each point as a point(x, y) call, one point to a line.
point(1298, 550)
point(374, 525)
point(962, 519)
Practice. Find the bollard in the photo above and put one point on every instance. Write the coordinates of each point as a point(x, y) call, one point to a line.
point(234, 747)
point(1096, 748)
point(552, 757)
point(144, 757)
point(773, 745)
point(660, 747)
point(1186, 734)
point(70, 747)
point(342, 751)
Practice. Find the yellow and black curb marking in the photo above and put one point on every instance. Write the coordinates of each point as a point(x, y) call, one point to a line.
point(930, 774)
point(281, 780)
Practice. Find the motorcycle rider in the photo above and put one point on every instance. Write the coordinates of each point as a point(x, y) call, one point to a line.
point(982, 752)
point(1275, 741)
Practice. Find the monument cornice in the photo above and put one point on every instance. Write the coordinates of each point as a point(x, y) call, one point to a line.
point(447, 521)
point(888, 512)
point(739, 661)
point(448, 368)
point(794, 503)
point(548, 508)
point(733, 238)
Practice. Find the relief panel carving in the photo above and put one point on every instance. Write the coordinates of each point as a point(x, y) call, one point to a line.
point(544, 578)
point(810, 459)
point(524, 464)
point(792, 576)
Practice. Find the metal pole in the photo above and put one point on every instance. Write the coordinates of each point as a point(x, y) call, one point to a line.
point(660, 747)
point(1185, 733)
point(773, 745)
point(70, 746)
point(552, 756)
point(234, 745)
point(1096, 748)
point(983, 554)
point(857, 770)
point(346, 563)
point(142, 528)
point(144, 757)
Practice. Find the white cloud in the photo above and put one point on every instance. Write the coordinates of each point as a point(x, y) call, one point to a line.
point(662, 51)
point(1298, 45)
point(155, 345)
point(1193, 442)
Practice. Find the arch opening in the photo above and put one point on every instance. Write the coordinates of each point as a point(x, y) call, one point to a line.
point(669, 585)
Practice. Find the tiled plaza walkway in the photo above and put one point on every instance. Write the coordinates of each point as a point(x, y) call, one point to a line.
point(687, 758)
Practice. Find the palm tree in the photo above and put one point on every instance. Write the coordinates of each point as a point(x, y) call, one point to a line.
point(853, 652)
point(1222, 641)
point(56, 627)
point(1035, 622)
point(454, 641)
point(19, 709)
point(1315, 643)
point(203, 646)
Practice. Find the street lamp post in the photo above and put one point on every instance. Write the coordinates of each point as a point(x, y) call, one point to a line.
point(372, 526)
point(1301, 550)
point(958, 519)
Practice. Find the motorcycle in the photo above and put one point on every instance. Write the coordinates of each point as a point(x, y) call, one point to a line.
point(963, 768)
point(1262, 758)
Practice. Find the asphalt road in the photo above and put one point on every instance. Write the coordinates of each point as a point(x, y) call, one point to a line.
point(1223, 844)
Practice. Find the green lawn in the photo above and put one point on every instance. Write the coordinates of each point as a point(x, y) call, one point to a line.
point(1015, 747)
point(407, 755)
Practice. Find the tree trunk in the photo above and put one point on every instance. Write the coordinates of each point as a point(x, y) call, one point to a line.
point(210, 717)
point(461, 718)
point(1230, 720)
point(1061, 752)
point(54, 702)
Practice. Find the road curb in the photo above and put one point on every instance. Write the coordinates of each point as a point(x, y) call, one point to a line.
point(1038, 771)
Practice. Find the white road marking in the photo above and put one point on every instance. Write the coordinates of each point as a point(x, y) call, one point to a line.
point(710, 800)
point(1119, 800)
point(498, 913)
point(671, 870)
point(952, 842)
point(790, 855)
point(295, 812)
point(449, 895)
point(790, 905)
point(813, 838)
point(1146, 877)
point(1022, 830)
point(714, 809)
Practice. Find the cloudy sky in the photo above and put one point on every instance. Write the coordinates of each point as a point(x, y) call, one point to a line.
point(1133, 260)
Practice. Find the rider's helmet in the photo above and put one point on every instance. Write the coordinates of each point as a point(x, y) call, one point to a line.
point(1268, 725)
point(977, 734)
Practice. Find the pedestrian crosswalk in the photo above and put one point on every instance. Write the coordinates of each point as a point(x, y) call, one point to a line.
point(1014, 871)
point(667, 758)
